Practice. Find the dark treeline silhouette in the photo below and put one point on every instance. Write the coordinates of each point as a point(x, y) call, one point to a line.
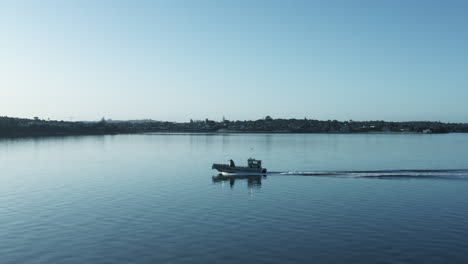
point(13, 127)
point(18, 127)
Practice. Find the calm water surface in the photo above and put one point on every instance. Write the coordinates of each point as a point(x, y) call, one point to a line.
point(153, 199)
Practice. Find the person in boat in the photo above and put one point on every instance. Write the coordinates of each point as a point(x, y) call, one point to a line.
point(231, 163)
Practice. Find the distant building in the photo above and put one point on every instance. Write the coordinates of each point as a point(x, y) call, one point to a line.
point(427, 131)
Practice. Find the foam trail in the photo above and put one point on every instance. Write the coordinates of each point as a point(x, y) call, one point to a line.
point(458, 173)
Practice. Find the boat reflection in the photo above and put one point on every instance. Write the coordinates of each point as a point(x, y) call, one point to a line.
point(253, 181)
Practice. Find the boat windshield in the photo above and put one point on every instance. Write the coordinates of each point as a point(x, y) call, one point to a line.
point(253, 163)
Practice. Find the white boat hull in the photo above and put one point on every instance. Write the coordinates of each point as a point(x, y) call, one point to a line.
point(224, 168)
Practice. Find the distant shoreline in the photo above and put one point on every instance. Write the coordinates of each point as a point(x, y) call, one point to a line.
point(284, 132)
point(22, 127)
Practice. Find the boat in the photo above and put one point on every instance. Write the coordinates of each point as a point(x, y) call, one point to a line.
point(253, 167)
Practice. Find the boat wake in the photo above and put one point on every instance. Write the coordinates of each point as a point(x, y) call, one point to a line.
point(450, 174)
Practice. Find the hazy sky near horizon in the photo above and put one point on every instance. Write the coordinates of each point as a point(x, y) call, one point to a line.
point(176, 60)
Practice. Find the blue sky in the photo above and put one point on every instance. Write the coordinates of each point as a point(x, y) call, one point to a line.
point(176, 60)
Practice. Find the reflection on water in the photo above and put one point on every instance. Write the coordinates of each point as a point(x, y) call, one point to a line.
point(149, 199)
point(253, 181)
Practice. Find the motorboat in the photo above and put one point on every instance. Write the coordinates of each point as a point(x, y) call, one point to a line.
point(253, 167)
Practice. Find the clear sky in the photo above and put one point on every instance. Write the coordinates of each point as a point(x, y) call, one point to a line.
point(175, 60)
